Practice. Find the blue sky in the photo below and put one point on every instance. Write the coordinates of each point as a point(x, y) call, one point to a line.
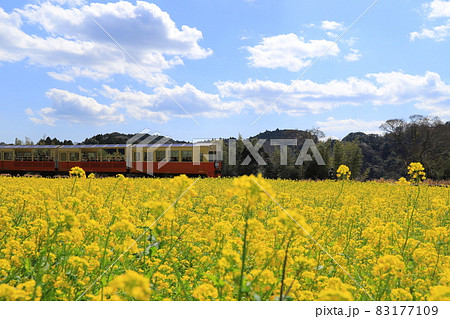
point(205, 69)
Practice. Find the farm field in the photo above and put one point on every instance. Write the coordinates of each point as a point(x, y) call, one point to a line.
point(222, 239)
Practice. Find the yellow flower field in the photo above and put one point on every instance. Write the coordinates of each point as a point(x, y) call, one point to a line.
point(222, 239)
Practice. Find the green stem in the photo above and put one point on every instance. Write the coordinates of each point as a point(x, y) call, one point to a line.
point(283, 274)
point(410, 221)
point(73, 185)
point(244, 256)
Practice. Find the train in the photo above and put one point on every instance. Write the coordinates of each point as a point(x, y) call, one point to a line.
point(199, 159)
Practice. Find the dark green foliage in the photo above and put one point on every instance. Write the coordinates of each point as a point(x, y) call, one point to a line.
point(121, 138)
point(49, 141)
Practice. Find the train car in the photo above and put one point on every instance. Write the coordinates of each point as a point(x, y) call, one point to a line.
point(166, 159)
point(28, 158)
point(108, 158)
point(190, 159)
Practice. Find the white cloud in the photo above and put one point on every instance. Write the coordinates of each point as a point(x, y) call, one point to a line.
point(332, 35)
point(331, 25)
point(158, 106)
point(29, 111)
point(74, 108)
point(74, 46)
point(71, 3)
point(353, 56)
point(436, 9)
point(289, 51)
point(329, 137)
point(143, 28)
point(427, 92)
point(142, 105)
point(61, 76)
point(197, 102)
point(305, 97)
point(354, 125)
point(350, 42)
point(438, 33)
point(441, 110)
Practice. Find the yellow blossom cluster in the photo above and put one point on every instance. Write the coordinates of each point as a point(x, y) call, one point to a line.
point(402, 181)
point(243, 238)
point(416, 171)
point(343, 172)
point(77, 172)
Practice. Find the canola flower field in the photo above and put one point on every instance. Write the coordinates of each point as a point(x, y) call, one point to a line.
point(222, 239)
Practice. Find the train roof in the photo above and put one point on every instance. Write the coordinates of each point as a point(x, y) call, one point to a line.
point(135, 145)
point(29, 146)
point(102, 146)
point(94, 146)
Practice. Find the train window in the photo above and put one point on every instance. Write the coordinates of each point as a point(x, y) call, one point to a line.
point(143, 155)
point(120, 156)
point(42, 155)
point(186, 156)
point(175, 156)
point(203, 157)
point(108, 154)
point(89, 156)
point(7, 156)
point(74, 157)
point(148, 156)
point(63, 157)
point(212, 156)
point(113, 155)
point(160, 156)
point(23, 156)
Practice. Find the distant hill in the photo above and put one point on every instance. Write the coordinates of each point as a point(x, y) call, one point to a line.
point(299, 135)
point(121, 138)
point(287, 134)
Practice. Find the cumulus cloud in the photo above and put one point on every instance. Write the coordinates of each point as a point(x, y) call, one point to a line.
point(74, 108)
point(438, 9)
point(353, 56)
point(304, 97)
point(331, 26)
point(158, 106)
point(355, 125)
point(427, 92)
point(289, 51)
point(142, 105)
point(438, 33)
point(435, 10)
point(76, 46)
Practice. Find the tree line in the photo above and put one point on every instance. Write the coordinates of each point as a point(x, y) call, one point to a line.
point(369, 156)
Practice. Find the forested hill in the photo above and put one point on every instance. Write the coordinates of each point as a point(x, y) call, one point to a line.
point(421, 139)
point(120, 138)
point(289, 134)
point(369, 156)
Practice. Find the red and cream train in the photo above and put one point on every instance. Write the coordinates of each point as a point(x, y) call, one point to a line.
point(159, 160)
